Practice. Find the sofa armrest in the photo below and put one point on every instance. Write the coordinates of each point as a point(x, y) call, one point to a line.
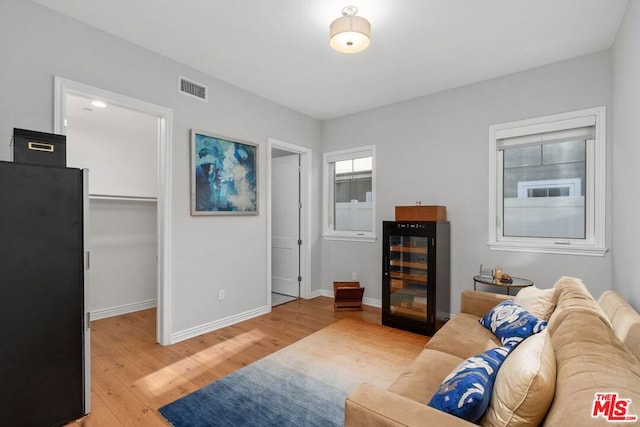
point(371, 406)
point(479, 303)
point(624, 319)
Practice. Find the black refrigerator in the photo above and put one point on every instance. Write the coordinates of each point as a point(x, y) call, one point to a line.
point(44, 325)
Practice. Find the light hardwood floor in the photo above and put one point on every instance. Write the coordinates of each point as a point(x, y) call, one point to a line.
point(132, 375)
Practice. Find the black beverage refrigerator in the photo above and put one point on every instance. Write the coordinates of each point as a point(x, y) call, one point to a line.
point(44, 324)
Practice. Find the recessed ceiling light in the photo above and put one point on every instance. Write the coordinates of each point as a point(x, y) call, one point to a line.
point(98, 104)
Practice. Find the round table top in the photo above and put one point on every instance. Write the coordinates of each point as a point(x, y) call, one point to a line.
point(518, 282)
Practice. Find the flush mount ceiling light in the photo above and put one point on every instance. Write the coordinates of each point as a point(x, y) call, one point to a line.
point(99, 104)
point(349, 33)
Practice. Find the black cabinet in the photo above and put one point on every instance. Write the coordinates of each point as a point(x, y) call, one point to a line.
point(415, 275)
point(44, 355)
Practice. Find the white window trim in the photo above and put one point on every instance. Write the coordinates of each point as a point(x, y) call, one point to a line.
point(594, 244)
point(328, 232)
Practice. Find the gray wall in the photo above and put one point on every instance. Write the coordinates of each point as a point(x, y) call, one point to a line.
point(435, 149)
point(123, 274)
point(208, 253)
point(626, 156)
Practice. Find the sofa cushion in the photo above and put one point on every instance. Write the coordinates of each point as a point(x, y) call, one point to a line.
point(466, 391)
point(369, 406)
point(539, 302)
point(572, 295)
point(423, 377)
point(590, 359)
point(463, 336)
point(511, 323)
point(524, 386)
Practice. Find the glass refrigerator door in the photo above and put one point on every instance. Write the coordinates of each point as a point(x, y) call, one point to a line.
point(408, 276)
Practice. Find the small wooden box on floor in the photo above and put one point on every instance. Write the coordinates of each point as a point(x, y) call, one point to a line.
point(347, 296)
point(421, 213)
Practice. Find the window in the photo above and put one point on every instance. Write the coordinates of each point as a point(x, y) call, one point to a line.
point(547, 184)
point(349, 188)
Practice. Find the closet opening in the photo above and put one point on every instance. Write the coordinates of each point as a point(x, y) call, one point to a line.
point(121, 141)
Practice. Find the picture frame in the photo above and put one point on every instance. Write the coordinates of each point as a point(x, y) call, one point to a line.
point(486, 273)
point(224, 175)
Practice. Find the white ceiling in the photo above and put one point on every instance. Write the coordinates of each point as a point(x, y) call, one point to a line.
point(279, 49)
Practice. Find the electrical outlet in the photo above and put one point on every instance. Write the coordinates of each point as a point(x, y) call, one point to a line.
point(220, 294)
point(354, 276)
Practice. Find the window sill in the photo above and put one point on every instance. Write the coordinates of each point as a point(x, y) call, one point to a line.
point(351, 237)
point(562, 249)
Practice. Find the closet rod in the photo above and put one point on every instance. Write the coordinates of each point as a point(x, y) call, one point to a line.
point(125, 198)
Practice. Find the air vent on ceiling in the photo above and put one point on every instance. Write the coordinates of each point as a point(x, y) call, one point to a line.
point(192, 88)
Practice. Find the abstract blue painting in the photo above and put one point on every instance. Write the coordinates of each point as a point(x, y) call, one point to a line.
point(224, 176)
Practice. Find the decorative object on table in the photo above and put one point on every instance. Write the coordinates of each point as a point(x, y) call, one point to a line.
point(485, 273)
point(421, 213)
point(39, 148)
point(501, 276)
point(224, 176)
point(505, 278)
point(347, 296)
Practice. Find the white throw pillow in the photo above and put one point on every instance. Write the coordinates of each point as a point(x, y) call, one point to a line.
point(539, 302)
point(525, 384)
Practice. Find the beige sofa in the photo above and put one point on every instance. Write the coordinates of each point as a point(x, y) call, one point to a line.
point(588, 347)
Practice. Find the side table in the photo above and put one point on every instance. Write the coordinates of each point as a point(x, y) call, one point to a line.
point(517, 282)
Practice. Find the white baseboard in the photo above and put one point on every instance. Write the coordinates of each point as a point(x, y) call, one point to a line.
point(212, 326)
point(372, 302)
point(103, 313)
point(232, 320)
point(320, 293)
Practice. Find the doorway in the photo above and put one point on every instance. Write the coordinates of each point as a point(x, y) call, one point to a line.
point(114, 143)
point(285, 226)
point(144, 203)
point(288, 252)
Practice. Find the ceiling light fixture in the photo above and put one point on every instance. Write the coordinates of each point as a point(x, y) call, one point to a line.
point(349, 33)
point(98, 103)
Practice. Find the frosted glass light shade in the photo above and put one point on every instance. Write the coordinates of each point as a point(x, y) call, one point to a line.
point(349, 34)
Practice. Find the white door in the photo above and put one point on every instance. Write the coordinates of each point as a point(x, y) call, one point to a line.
point(285, 228)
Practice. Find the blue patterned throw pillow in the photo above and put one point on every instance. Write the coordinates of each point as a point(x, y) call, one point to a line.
point(511, 323)
point(466, 391)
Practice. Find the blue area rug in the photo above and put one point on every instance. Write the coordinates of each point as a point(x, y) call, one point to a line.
point(304, 384)
point(262, 394)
